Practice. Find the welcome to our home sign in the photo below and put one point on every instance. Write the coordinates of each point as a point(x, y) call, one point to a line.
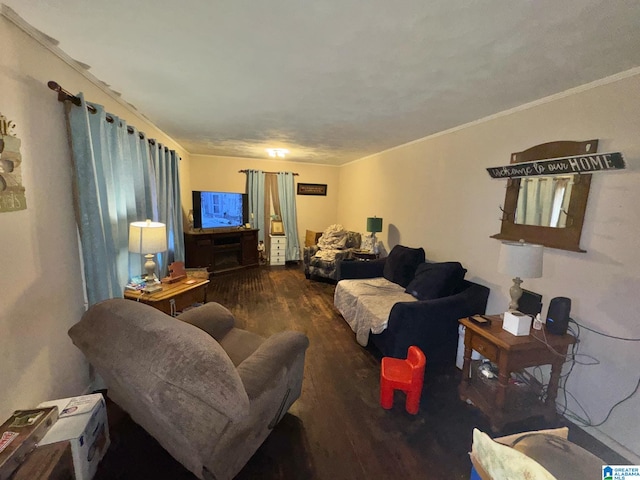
point(561, 166)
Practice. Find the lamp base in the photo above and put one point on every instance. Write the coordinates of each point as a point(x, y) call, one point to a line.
point(515, 292)
point(150, 268)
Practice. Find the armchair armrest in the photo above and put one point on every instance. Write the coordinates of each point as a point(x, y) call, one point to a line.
point(276, 353)
point(355, 269)
point(211, 317)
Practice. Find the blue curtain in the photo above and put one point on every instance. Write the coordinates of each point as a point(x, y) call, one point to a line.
point(287, 194)
point(165, 166)
point(116, 183)
point(255, 193)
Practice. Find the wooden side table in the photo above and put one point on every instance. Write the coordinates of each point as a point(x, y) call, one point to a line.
point(173, 297)
point(364, 255)
point(500, 400)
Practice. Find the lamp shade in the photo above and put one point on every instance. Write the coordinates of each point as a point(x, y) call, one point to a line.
point(374, 224)
point(147, 237)
point(520, 259)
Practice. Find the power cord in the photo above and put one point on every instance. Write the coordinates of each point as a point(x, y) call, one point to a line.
point(586, 420)
point(605, 334)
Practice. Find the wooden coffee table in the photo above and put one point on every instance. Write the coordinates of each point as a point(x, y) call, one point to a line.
point(174, 297)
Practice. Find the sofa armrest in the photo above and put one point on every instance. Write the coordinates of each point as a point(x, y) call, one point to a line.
point(431, 323)
point(412, 315)
point(351, 269)
point(278, 352)
point(211, 317)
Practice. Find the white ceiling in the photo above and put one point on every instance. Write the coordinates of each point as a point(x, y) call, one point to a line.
point(335, 80)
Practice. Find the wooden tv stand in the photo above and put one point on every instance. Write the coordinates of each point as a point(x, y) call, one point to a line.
point(221, 250)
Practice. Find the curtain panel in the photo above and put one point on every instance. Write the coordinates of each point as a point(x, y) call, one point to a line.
point(118, 180)
point(287, 194)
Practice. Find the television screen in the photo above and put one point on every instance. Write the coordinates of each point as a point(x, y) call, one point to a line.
point(219, 209)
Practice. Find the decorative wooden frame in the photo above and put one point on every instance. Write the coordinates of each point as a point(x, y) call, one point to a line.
point(277, 227)
point(567, 238)
point(312, 189)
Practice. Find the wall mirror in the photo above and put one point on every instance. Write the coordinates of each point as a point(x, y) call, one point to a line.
point(547, 210)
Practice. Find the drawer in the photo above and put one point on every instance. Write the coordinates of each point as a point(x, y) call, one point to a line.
point(278, 248)
point(278, 240)
point(484, 347)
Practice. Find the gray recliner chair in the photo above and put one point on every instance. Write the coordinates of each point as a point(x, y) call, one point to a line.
point(208, 392)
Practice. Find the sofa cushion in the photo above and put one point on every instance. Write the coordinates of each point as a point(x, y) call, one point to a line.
point(436, 280)
point(400, 266)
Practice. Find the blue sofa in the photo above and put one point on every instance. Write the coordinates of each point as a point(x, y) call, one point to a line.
point(431, 298)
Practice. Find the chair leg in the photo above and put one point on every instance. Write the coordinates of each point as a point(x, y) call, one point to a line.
point(413, 401)
point(386, 396)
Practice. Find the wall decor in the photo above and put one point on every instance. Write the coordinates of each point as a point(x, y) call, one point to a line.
point(12, 196)
point(277, 227)
point(561, 166)
point(312, 189)
point(549, 209)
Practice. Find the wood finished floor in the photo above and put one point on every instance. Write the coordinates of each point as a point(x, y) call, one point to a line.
point(337, 429)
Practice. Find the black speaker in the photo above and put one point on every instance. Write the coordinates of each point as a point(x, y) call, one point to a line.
point(558, 315)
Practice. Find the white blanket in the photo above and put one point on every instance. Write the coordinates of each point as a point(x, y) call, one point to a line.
point(365, 304)
point(333, 238)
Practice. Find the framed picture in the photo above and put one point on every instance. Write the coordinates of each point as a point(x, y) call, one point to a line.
point(312, 189)
point(277, 228)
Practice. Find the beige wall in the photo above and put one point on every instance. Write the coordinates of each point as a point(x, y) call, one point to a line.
point(221, 174)
point(40, 278)
point(437, 194)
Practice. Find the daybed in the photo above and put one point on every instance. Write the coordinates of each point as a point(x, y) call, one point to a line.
point(335, 245)
point(401, 300)
point(208, 392)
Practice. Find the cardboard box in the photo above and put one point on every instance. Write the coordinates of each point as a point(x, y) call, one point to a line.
point(517, 323)
point(20, 434)
point(83, 422)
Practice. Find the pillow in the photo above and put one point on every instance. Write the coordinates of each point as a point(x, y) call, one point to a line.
point(499, 461)
point(537, 454)
point(436, 280)
point(367, 242)
point(400, 266)
point(311, 238)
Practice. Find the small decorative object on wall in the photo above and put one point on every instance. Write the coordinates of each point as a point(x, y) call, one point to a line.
point(312, 189)
point(596, 162)
point(12, 197)
point(277, 228)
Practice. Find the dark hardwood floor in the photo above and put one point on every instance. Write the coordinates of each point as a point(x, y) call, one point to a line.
point(337, 429)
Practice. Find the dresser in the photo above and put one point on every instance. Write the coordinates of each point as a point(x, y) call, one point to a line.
point(277, 251)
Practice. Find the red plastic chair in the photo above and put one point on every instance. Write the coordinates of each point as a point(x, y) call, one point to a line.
point(406, 375)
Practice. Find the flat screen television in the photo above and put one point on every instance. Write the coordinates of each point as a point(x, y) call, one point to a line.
point(219, 209)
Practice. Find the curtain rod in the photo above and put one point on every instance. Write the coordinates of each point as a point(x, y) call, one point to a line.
point(245, 171)
point(64, 95)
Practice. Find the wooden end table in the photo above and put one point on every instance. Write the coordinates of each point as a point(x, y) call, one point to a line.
point(503, 401)
point(173, 297)
point(364, 255)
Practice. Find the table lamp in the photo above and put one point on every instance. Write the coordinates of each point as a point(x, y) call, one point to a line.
point(148, 238)
point(520, 260)
point(374, 225)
